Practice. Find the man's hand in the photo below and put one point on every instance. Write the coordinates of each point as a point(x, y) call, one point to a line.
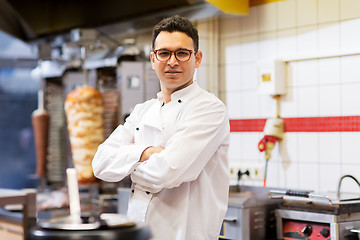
point(148, 152)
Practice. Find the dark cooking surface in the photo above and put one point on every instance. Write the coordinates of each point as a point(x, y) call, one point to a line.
point(324, 203)
point(136, 232)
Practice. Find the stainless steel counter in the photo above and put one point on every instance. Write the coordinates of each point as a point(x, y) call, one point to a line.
point(250, 214)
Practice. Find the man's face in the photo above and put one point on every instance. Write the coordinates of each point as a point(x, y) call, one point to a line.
point(173, 74)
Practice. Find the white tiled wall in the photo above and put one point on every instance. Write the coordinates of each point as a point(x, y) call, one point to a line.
point(320, 87)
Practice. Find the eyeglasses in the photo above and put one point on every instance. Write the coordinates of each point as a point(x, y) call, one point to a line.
point(181, 55)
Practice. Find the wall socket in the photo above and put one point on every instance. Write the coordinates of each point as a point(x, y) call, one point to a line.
point(256, 172)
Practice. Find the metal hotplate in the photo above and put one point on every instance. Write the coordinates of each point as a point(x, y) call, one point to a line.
point(251, 197)
point(318, 202)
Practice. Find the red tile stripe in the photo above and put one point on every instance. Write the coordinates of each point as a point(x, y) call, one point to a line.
point(303, 124)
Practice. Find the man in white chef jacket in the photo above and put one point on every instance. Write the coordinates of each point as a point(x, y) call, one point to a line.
point(173, 147)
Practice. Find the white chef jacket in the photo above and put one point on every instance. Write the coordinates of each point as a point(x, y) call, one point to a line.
point(181, 192)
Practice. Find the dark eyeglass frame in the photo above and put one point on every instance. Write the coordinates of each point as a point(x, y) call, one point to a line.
point(174, 52)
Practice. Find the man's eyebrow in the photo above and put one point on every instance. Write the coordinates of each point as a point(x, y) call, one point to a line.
point(170, 50)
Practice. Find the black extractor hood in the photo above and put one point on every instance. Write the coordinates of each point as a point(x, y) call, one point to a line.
point(32, 20)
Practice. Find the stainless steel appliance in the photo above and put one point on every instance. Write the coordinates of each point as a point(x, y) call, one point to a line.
point(104, 226)
point(250, 215)
point(306, 215)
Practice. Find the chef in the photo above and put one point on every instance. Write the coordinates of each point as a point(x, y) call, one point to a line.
point(173, 147)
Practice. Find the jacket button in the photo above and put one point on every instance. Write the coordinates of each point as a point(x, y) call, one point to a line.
point(147, 192)
point(137, 129)
point(132, 191)
point(179, 101)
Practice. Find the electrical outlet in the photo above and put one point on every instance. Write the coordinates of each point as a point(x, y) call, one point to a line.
point(257, 172)
point(233, 175)
point(250, 172)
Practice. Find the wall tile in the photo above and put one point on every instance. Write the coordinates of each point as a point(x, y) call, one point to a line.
point(289, 175)
point(349, 69)
point(350, 99)
point(273, 176)
point(349, 38)
point(307, 40)
point(286, 43)
point(292, 69)
point(235, 148)
point(233, 77)
point(230, 50)
point(308, 72)
point(286, 16)
point(229, 26)
point(329, 101)
point(202, 76)
point(308, 102)
point(309, 145)
point(349, 9)
point(204, 47)
point(329, 71)
point(328, 10)
point(350, 142)
point(289, 148)
point(250, 104)
point(250, 24)
point(249, 76)
point(222, 79)
point(329, 148)
point(249, 50)
point(233, 104)
point(250, 146)
point(267, 106)
point(275, 153)
point(329, 182)
point(306, 12)
point(309, 176)
point(329, 37)
point(202, 27)
point(267, 19)
point(289, 103)
point(267, 45)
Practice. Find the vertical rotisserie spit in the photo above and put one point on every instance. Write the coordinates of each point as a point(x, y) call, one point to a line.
point(40, 121)
point(84, 112)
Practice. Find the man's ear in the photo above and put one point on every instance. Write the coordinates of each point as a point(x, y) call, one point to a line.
point(198, 58)
point(152, 59)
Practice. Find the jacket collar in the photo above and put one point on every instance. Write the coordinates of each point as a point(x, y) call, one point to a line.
point(180, 94)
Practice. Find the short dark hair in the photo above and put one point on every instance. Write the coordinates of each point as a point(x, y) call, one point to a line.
point(176, 24)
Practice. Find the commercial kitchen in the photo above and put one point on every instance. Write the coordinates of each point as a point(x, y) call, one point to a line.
point(287, 70)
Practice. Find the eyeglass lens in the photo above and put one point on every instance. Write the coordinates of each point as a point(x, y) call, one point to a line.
point(181, 55)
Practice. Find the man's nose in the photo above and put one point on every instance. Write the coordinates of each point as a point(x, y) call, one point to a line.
point(173, 61)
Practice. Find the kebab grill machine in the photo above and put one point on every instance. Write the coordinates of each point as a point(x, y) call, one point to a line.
point(318, 216)
point(104, 226)
point(85, 94)
point(91, 78)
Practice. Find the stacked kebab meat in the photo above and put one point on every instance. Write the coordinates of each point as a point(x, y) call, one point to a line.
point(84, 112)
point(40, 121)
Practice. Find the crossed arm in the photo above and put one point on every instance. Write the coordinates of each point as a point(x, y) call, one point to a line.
point(148, 152)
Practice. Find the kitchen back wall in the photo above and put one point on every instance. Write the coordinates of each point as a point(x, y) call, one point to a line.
point(322, 97)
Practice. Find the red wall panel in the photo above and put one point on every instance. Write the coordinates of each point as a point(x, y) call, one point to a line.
point(302, 124)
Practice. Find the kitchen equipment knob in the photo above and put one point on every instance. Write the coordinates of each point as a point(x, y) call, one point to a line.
point(325, 232)
point(307, 230)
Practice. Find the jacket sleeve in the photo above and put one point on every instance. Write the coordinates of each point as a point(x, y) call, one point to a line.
point(117, 156)
point(198, 136)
